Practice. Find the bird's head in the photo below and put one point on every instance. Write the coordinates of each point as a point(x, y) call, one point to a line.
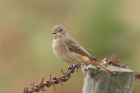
point(59, 31)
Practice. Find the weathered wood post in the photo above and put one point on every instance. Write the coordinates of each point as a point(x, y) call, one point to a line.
point(100, 81)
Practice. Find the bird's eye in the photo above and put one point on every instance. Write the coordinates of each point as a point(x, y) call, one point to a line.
point(60, 30)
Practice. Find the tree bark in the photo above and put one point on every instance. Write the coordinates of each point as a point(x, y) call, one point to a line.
point(100, 81)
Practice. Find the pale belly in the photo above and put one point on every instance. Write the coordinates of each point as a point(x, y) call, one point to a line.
point(64, 54)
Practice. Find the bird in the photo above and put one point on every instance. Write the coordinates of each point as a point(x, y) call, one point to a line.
point(69, 50)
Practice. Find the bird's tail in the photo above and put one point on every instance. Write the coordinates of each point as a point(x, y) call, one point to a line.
point(94, 62)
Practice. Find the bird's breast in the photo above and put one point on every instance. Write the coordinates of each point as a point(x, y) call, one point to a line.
point(60, 49)
point(62, 52)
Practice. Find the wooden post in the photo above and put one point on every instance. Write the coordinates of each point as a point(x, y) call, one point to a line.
point(100, 81)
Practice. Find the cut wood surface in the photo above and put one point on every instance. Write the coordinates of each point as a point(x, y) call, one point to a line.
point(100, 81)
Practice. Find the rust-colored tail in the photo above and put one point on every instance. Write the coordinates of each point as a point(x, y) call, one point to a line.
point(98, 64)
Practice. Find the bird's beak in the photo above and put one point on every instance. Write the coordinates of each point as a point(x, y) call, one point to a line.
point(53, 33)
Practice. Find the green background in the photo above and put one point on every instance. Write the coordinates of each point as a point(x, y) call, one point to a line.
point(102, 27)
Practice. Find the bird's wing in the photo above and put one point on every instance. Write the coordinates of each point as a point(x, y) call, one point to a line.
point(77, 48)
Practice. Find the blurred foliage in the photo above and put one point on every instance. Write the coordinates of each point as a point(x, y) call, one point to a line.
point(102, 27)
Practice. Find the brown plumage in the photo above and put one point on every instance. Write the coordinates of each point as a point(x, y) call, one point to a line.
point(68, 50)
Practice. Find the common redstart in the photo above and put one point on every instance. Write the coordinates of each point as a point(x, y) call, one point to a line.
point(68, 50)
